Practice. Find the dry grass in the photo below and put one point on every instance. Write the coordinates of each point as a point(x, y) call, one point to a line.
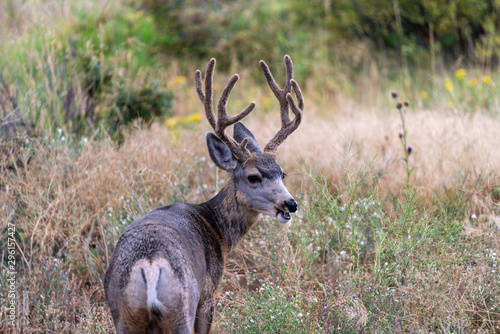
point(451, 150)
point(71, 204)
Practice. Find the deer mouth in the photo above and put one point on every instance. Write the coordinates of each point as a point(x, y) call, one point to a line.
point(283, 216)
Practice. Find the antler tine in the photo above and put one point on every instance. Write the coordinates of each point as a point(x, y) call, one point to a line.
point(286, 101)
point(298, 94)
point(223, 119)
point(280, 93)
point(207, 97)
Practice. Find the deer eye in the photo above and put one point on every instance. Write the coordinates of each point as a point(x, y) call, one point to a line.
point(253, 179)
point(283, 175)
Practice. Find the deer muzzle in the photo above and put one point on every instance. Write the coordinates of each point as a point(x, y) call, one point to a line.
point(283, 214)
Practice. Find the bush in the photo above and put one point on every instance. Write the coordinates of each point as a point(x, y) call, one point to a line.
point(231, 31)
point(248, 30)
point(83, 78)
point(136, 102)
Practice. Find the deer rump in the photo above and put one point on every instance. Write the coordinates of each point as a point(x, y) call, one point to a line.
point(166, 259)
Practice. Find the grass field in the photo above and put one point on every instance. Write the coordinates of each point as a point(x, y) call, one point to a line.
point(386, 239)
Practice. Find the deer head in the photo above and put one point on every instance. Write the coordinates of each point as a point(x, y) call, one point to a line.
point(256, 174)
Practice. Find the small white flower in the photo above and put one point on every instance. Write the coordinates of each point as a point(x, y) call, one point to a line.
point(63, 138)
point(299, 314)
point(59, 130)
point(473, 216)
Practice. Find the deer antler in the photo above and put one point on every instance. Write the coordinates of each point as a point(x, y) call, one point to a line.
point(239, 150)
point(286, 101)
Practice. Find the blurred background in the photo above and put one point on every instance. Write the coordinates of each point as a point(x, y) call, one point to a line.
point(110, 62)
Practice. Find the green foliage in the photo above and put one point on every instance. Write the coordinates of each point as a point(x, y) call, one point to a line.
point(271, 309)
point(127, 31)
point(84, 78)
point(456, 26)
point(240, 32)
point(137, 102)
point(244, 31)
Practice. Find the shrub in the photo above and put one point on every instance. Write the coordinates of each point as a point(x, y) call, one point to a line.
point(136, 102)
point(83, 79)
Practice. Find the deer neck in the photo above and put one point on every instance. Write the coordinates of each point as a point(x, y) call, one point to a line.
point(231, 216)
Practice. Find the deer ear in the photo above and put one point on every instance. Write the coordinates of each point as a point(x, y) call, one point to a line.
point(241, 132)
point(220, 153)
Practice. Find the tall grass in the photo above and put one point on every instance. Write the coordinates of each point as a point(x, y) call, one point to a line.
point(373, 247)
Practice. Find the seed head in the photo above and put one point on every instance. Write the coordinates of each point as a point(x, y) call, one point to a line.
point(406, 104)
point(410, 149)
point(394, 95)
point(399, 106)
point(400, 135)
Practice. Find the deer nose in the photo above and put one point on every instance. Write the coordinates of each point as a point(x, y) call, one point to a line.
point(291, 205)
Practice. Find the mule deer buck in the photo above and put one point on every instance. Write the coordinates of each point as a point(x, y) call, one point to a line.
point(168, 264)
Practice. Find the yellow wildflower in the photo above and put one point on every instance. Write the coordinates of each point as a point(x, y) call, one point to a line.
point(171, 122)
point(180, 80)
point(424, 95)
point(472, 83)
point(460, 73)
point(194, 118)
point(448, 85)
point(486, 80)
